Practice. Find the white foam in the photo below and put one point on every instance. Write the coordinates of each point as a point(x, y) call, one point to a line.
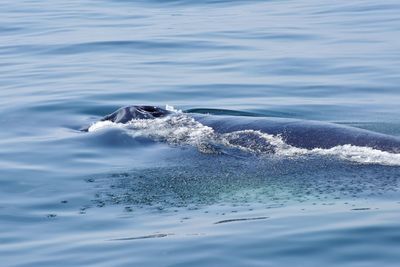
point(172, 109)
point(259, 142)
point(104, 125)
point(175, 129)
point(276, 144)
point(181, 129)
point(365, 155)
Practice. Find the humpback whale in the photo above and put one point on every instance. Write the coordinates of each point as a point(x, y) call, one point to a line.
point(304, 134)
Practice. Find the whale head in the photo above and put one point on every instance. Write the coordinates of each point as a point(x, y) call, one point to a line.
point(128, 113)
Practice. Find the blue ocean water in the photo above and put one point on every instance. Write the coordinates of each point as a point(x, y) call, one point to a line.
point(108, 198)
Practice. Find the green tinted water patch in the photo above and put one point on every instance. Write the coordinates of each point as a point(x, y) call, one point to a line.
point(236, 181)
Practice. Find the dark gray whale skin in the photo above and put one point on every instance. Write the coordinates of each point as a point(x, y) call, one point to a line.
point(303, 133)
point(298, 133)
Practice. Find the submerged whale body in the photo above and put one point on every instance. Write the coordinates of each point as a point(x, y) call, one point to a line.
point(297, 133)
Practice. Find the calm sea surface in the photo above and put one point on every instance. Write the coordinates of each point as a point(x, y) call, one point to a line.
point(106, 198)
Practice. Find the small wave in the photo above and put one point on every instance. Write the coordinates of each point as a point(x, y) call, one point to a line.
point(181, 129)
point(241, 220)
point(141, 237)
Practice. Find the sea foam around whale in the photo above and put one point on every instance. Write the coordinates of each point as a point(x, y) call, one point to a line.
point(181, 129)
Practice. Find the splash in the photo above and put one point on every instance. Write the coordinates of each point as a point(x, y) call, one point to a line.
point(181, 129)
point(259, 142)
point(358, 154)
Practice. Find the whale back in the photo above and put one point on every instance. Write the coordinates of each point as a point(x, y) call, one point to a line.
point(303, 133)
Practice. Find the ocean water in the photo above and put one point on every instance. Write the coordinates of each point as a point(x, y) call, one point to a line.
point(159, 195)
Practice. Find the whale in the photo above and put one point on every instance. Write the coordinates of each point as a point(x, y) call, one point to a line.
point(306, 134)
